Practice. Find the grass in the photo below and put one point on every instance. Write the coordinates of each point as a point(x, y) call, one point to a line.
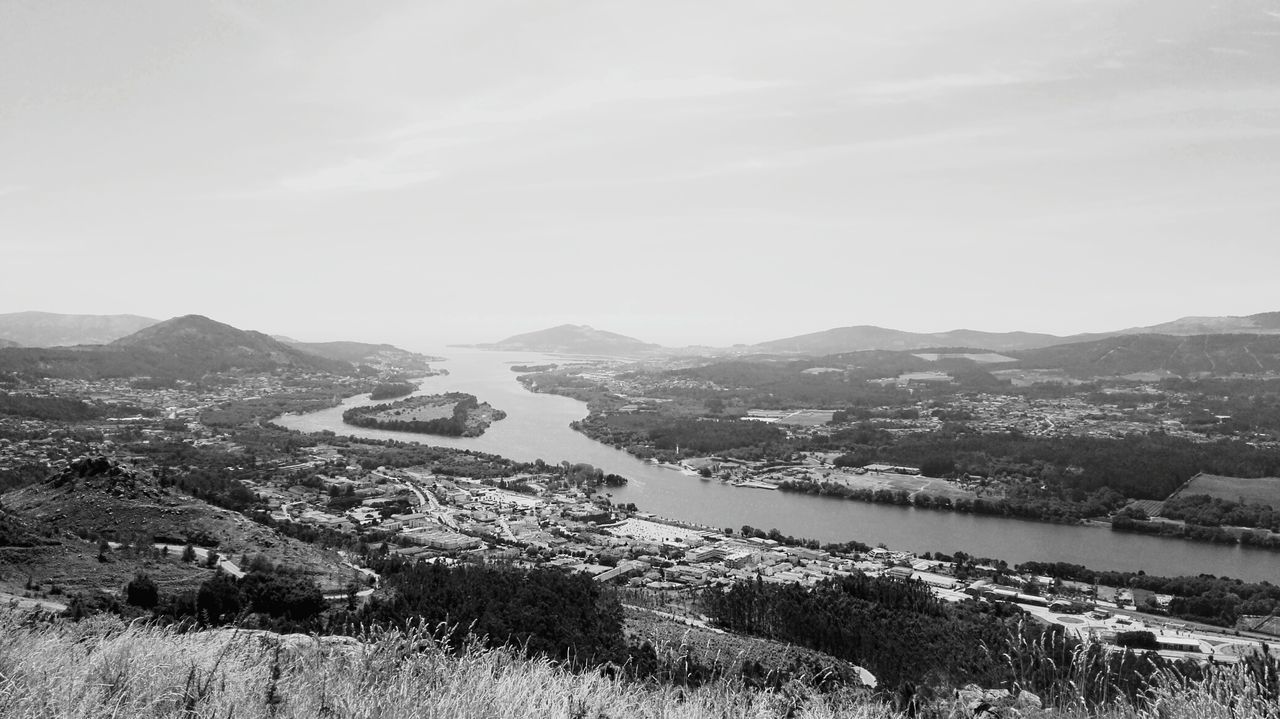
point(104, 667)
point(1259, 490)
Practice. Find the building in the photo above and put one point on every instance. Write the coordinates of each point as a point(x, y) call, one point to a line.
point(414, 520)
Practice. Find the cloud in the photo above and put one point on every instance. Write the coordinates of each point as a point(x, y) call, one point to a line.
point(361, 175)
point(395, 160)
point(928, 87)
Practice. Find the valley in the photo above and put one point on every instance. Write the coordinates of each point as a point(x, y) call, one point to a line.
point(143, 471)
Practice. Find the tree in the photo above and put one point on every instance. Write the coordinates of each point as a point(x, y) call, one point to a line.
point(141, 591)
point(188, 553)
point(218, 599)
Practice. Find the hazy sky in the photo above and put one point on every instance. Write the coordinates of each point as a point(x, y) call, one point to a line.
point(710, 172)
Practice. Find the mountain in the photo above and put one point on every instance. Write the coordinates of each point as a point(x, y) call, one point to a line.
point(1265, 323)
point(47, 329)
point(8, 343)
point(203, 342)
point(381, 357)
point(868, 337)
point(184, 347)
point(1160, 355)
point(575, 339)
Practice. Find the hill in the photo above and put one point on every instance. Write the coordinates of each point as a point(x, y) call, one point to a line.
point(1156, 355)
point(8, 343)
point(868, 337)
point(187, 347)
point(97, 498)
point(379, 356)
point(48, 329)
point(195, 338)
point(575, 339)
point(1262, 323)
point(109, 667)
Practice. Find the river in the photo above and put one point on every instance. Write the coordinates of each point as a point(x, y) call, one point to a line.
point(537, 427)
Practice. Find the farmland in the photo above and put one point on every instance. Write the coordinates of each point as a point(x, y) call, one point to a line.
point(875, 481)
point(1259, 490)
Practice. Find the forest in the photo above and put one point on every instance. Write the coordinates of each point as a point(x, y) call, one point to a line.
point(1206, 511)
point(647, 435)
point(1146, 466)
point(391, 390)
point(55, 409)
point(1212, 600)
point(915, 644)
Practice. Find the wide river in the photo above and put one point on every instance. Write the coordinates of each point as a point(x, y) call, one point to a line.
point(537, 427)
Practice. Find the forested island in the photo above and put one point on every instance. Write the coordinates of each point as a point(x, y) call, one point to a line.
point(391, 390)
point(454, 414)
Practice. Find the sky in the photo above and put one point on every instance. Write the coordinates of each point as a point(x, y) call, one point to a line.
point(710, 172)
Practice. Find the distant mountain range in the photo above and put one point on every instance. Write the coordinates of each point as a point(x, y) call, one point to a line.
point(575, 339)
point(1159, 355)
point(47, 329)
point(867, 337)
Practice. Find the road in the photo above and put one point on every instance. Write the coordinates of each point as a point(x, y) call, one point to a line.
point(202, 555)
point(1220, 643)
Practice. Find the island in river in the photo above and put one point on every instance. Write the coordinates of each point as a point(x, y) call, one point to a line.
point(454, 414)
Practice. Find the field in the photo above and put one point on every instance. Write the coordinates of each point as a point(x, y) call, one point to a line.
point(1261, 490)
point(423, 409)
point(1028, 377)
point(883, 480)
point(979, 357)
point(807, 417)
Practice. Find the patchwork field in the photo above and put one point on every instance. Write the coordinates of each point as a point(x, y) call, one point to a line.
point(423, 410)
point(808, 417)
point(893, 482)
point(1259, 490)
point(979, 357)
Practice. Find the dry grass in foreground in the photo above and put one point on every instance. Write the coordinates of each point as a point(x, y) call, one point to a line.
point(106, 668)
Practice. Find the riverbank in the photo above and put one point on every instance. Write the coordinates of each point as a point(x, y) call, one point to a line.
point(537, 427)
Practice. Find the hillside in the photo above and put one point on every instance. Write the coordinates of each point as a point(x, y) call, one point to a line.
point(107, 667)
point(1263, 323)
point(48, 329)
point(1216, 355)
point(195, 338)
point(97, 498)
point(379, 356)
point(575, 339)
point(868, 337)
point(184, 347)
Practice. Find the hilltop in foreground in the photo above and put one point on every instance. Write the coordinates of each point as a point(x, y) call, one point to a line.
point(103, 667)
